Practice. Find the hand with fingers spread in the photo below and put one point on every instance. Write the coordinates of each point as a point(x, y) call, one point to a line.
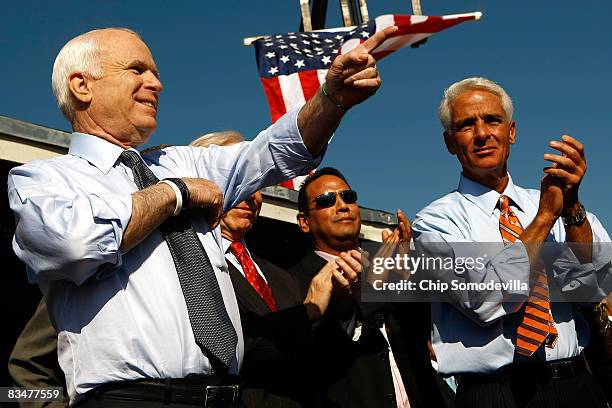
point(353, 77)
point(398, 239)
point(403, 233)
point(568, 168)
point(206, 195)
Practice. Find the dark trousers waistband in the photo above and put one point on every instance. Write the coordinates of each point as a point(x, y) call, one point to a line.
point(207, 391)
point(541, 371)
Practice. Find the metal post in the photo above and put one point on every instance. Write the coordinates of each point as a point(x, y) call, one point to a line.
point(306, 20)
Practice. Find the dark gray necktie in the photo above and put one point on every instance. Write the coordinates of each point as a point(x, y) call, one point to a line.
point(212, 327)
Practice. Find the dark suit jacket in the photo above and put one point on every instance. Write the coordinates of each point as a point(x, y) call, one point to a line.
point(278, 346)
point(357, 374)
point(33, 362)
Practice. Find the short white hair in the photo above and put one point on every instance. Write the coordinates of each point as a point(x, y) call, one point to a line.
point(471, 84)
point(221, 138)
point(81, 54)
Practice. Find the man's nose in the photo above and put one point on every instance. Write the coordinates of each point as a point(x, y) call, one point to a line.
point(481, 130)
point(153, 83)
point(340, 204)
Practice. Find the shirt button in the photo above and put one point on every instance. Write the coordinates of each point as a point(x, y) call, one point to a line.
point(573, 284)
point(391, 397)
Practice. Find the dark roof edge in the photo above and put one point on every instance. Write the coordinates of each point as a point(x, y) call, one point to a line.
point(36, 133)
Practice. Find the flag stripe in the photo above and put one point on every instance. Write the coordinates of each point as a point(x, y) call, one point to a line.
point(310, 83)
point(275, 97)
point(291, 98)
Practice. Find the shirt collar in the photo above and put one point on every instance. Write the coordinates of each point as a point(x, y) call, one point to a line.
point(325, 255)
point(485, 198)
point(97, 151)
point(227, 243)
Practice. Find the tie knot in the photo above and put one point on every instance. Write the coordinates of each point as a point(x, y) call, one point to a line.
point(237, 249)
point(130, 158)
point(504, 203)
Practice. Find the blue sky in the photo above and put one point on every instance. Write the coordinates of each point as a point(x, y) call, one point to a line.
point(553, 58)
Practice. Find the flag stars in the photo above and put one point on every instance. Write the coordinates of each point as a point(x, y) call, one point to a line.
point(326, 59)
point(299, 63)
point(338, 37)
point(269, 44)
point(365, 34)
point(282, 47)
point(284, 59)
point(315, 35)
point(270, 54)
point(273, 70)
point(306, 42)
point(293, 45)
point(292, 36)
point(327, 40)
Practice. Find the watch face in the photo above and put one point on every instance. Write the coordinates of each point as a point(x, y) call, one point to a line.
point(577, 218)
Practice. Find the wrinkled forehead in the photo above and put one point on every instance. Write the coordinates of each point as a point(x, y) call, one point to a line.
point(474, 101)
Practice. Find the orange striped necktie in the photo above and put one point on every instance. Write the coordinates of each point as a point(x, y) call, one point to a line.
point(537, 325)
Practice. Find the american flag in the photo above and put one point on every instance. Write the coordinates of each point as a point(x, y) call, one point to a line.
point(293, 66)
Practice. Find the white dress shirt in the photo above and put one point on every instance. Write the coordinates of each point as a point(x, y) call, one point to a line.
point(122, 316)
point(480, 337)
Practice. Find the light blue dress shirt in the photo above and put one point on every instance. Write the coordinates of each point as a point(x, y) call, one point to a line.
point(122, 316)
point(479, 336)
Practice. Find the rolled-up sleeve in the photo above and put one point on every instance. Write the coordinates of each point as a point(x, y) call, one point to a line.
point(62, 232)
point(276, 154)
point(591, 281)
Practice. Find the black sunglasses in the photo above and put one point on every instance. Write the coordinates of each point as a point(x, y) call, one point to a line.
point(328, 199)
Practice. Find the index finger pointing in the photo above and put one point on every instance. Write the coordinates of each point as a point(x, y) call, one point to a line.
point(378, 38)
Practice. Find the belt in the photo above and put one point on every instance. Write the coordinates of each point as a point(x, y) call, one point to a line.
point(541, 372)
point(208, 391)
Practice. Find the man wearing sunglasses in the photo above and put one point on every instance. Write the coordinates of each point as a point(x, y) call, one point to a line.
point(367, 360)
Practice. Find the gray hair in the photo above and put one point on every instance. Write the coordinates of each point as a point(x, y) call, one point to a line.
point(222, 138)
point(470, 84)
point(81, 54)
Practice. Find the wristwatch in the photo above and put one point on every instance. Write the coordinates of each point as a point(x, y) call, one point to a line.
point(576, 218)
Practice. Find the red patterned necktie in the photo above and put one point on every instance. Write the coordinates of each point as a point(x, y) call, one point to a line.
point(254, 278)
point(537, 326)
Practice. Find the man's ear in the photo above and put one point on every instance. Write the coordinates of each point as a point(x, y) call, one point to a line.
point(449, 140)
point(512, 136)
point(302, 222)
point(80, 85)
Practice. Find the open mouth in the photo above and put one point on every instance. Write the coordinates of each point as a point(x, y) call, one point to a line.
point(150, 104)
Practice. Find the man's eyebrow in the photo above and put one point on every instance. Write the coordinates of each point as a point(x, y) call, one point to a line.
point(142, 64)
point(463, 121)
